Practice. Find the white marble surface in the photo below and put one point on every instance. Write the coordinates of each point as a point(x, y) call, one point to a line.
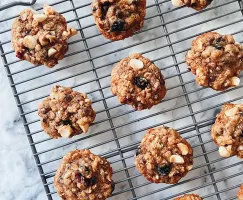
point(19, 176)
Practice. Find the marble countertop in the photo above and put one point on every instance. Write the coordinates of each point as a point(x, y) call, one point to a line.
point(19, 176)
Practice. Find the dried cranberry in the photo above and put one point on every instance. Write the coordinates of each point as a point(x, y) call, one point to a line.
point(164, 170)
point(20, 55)
point(92, 181)
point(118, 25)
point(141, 82)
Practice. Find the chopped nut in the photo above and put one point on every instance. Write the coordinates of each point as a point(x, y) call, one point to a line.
point(136, 64)
point(129, 1)
point(84, 128)
point(176, 159)
point(51, 52)
point(43, 40)
point(69, 33)
point(231, 112)
point(235, 81)
point(48, 10)
point(183, 148)
point(65, 131)
point(240, 148)
point(177, 3)
point(39, 17)
point(29, 42)
point(189, 167)
point(224, 152)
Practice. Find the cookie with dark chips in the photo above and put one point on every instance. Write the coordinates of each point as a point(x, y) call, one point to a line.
point(119, 19)
point(41, 38)
point(83, 175)
point(164, 156)
point(216, 60)
point(136, 81)
point(189, 197)
point(227, 132)
point(195, 4)
point(66, 113)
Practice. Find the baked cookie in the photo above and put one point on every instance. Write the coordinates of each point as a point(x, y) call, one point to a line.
point(41, 38)
point(119, 19)
point(240, 193)
point(227, 132)
point(136, 81)
point(84, 176)
point(164, 156)
point(66, 113)
point(216, 61)
point(195, 4)
point(189, 197)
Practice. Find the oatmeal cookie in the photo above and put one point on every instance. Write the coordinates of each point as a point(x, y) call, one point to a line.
point(136, 81)
point(119, 19)
point(216, 61)
point(84, 176)
point(41, 38)
point(164, 156)
point(66, 113)
point(195, 4)
point(227, 132)
point(240, 193)
point(189, 197)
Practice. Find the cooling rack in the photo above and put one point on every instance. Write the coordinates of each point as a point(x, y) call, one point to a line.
point(117, 131)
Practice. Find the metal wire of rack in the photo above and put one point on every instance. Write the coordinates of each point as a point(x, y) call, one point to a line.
point(118, 129)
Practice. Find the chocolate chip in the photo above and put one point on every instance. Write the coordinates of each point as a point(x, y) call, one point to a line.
point(104, 8)
point(92, 181)
point(138, 151)
point(94, 9)
point(141, 82)
point(241, 135)
point(118, 25)
point(67, 122)
point(164, 170)
point(219, 43)
point(112, 186)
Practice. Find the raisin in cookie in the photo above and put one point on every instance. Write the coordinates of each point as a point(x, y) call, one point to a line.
point(195, 4)
point(119, 19)
point(66, 113)
point(216, 61)
point(240, 193)
point(138, 82)
point(41, 38)
point(227, 132)
point(84, 176)
point(164, 156)
point(189, 197)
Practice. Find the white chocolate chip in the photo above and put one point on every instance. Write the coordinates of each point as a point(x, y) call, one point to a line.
point(51, 52)
point(129, 1)
point(39, 17)
point(189, 167)
point(177, 3)
point(84, 128)
point(240, 148)
point(136, 64)
point(48, 10)
point(65, 131)
point(29, 42)
point(183, 148)
point(176, 159)
point(235, 81)
point(224, 152)
point(232, 112)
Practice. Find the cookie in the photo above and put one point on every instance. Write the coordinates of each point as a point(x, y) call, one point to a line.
point(66, 113)
point(84, 176)
point(195, 4)
point(227, 132)
point(189, 197)
point(216, 61)
point(240, 193)
point(119, 19)
point(41, 38)
point(164, 156)
point(136, 81)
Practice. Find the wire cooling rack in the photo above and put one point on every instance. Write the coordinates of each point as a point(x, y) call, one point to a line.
point(117, 131)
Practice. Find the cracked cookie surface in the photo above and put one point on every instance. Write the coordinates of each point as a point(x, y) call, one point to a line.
point(41, 38)
point(66, 113)
point(119, 19)
point(136, 81)
point(227, 132)
point(189, 197)
point(164, 156)
point(195, 4)
point(83, 175)
point(216, 60)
